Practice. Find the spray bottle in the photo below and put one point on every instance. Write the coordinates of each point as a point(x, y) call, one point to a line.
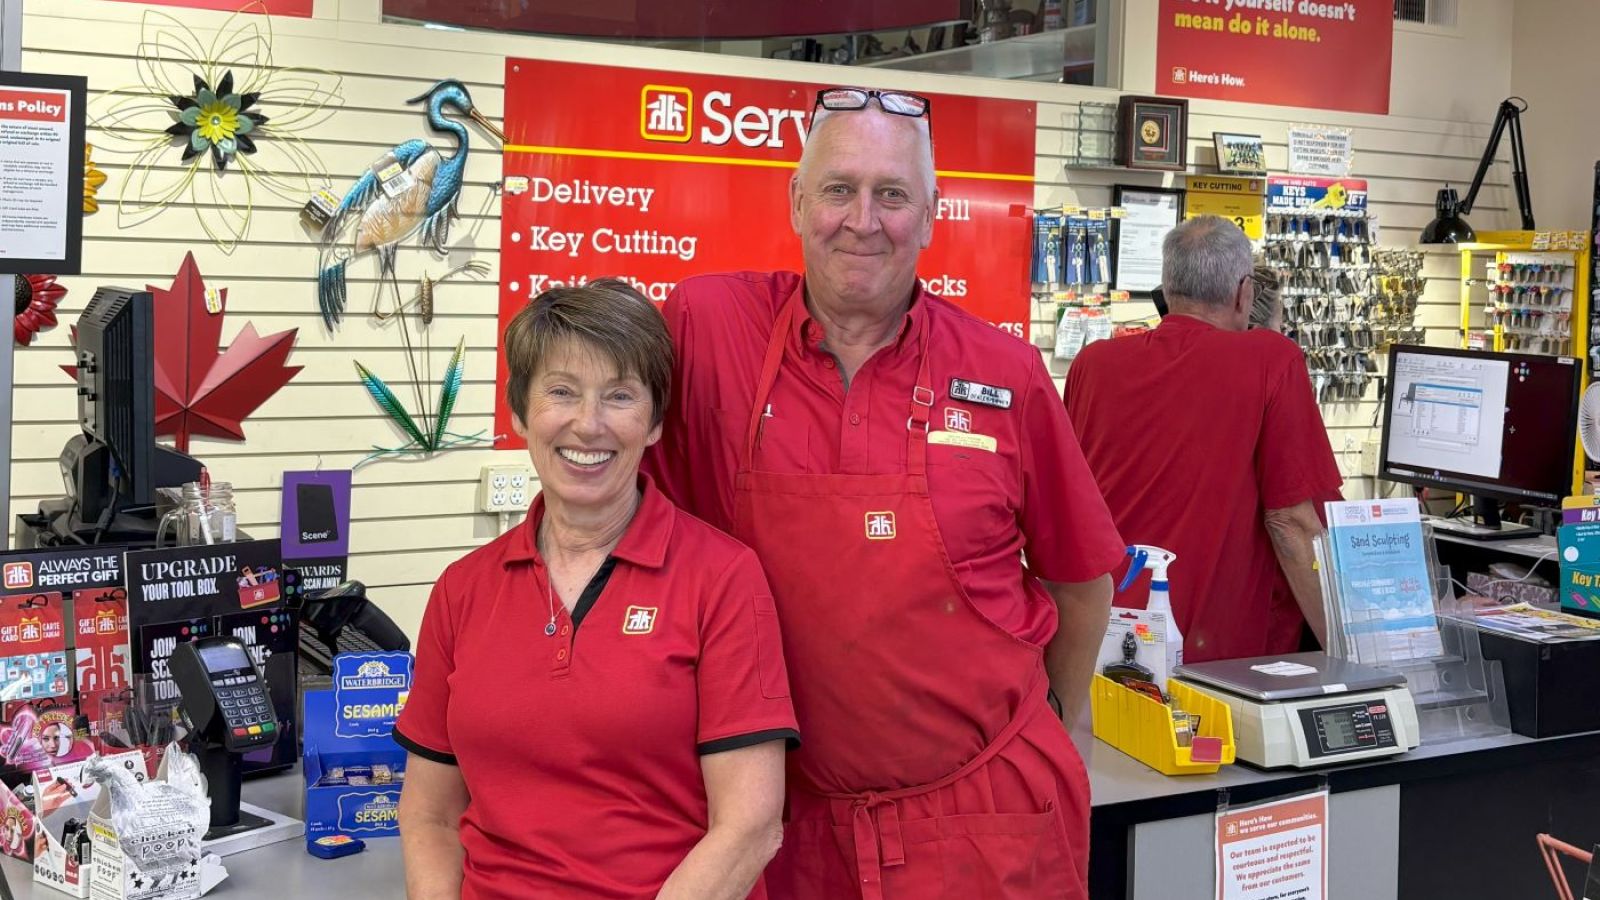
point(1160, 600)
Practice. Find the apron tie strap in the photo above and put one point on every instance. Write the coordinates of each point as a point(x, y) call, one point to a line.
point(875, 824)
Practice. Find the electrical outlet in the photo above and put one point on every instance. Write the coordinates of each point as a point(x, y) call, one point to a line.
point(505, 488)
point(1370, 451)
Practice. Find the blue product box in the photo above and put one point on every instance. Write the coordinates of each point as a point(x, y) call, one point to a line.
point(1580, 567)
point(349, 741)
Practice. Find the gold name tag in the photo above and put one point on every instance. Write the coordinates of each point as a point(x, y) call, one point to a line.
point(962, 439)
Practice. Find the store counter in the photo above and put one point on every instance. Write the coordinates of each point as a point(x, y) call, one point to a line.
point(278, 870)
point(1453, 820)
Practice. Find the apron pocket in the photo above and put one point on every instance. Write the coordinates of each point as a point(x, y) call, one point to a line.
point(985, 856)
point(769, 650)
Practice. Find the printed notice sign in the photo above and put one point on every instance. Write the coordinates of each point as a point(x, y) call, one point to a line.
point(1320, 151)
point(1275, 850)
point(41, 173)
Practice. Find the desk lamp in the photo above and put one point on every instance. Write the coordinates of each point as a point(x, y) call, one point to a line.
point(1450, 225)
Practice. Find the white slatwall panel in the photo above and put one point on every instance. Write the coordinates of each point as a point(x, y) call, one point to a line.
point(1404, 162)
point(412, 518)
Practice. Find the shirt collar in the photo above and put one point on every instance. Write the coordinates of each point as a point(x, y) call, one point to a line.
point(1179, 320)
point(808, 333)
point(643, 544)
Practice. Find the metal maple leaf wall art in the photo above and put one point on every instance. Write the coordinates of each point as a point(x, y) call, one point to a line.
point(199, 391)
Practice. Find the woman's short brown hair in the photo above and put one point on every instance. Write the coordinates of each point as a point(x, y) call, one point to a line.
point(608, 316)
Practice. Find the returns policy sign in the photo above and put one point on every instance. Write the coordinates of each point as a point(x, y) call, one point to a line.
point(657, 176)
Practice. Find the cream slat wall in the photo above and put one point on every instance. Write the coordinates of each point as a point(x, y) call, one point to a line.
point(411, 518)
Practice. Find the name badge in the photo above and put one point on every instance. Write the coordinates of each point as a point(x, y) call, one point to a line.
point(983, 394)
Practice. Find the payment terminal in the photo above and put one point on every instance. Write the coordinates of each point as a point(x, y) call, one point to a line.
point(224, 694)
point(226, 699)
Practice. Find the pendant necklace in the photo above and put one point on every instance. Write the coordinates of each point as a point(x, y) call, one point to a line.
point(550, 593)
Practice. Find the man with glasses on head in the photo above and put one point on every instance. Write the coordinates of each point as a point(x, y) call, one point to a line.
point(1206, 440)
point(891, 459)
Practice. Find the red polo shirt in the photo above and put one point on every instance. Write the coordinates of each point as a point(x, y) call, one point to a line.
point(1193, 434)
point(1031, 493)
point(581, 751)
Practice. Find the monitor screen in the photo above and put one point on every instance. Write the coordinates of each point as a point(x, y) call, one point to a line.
point(1499, 425)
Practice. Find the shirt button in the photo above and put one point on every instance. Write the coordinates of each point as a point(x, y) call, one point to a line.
point(829, 362)
point(855, 418)
point(565, 629)
point(561, 654)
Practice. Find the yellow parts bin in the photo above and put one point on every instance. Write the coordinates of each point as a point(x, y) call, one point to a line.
point(1142, 728)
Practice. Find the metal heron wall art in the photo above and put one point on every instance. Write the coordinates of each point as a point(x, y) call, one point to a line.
point(410, 189)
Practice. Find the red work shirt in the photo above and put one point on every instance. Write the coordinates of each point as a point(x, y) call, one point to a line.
point(583, 760)
point(1193, 433)
point(1031, 493)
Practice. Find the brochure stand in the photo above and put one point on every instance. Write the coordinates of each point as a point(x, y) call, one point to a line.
point(1458, 694)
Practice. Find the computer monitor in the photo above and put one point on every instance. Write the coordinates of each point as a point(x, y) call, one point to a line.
point(1497, 426)
point(114, 466)
point(116, 386)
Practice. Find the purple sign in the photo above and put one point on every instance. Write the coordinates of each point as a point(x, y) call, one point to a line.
point(316, 514)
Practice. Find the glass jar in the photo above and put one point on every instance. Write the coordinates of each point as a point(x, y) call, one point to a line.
point(204, 516)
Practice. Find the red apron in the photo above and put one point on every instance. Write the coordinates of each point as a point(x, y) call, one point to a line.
point(932, 765)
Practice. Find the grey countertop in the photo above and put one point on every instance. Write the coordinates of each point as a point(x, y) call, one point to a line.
point(1115, 777)
point(278, 870)
point(287, 870)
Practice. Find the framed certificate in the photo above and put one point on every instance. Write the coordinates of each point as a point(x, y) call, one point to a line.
point(1153, 133)
point(1148, 214)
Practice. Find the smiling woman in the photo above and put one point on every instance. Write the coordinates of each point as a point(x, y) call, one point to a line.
point(686, 660)
point(590, 368)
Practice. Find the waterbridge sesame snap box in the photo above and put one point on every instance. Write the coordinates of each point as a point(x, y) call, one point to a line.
point(353, 768)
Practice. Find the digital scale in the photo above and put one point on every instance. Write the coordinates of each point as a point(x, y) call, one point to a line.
point(1307, 709)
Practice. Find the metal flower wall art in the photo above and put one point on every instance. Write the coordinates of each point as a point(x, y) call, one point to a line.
point(213, 124)
point(216, 120)
point(93, 181)
point(36, 301)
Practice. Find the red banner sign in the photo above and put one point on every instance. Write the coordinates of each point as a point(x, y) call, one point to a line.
point(34, 106)
point(657, 176)
point(1284, 52)
point(678, 18)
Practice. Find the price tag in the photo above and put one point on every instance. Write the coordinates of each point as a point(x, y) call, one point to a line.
point(392, 176)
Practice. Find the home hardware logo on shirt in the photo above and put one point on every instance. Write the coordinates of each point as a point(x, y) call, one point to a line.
point(639, 620)
point(666, 113)
point(880, 526)
point(19, 574)
point(374, 675)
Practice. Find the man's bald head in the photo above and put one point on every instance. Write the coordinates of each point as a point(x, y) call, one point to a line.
point(825, 119)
